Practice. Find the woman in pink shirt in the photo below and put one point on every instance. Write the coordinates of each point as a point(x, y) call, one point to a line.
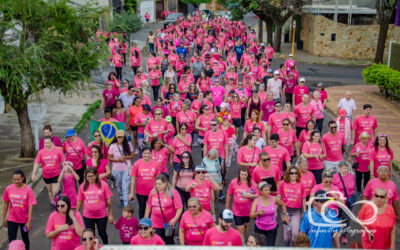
point(157, 127)
point(183, 175)
point(186, 116)
point(95, 196)
point(328, 186)
point(64, 226)
point(120, 113)
point(381, 155)
point(288, 139)
point(307, 178)
point(194, 224)
point(315, 152)
point(146, 235)
point(75, 152)
point(48, 131)
point(136, 61)
point(89, 241)
point(254, 121)
point(165, 206)
point(362, 155)
point(248, 154)
point(98, 162)
point(155, 76)
point(19, 200)
point(160, 152)
point(293, 194)
point(181, 142)
point(243, 191)
point(318, 106)
point(143, 172)
point(306, 133)
point(174, 107)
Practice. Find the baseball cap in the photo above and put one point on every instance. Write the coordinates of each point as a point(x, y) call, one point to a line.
point(200, 168)
point(342, 113)
point(226, 215)
point(302, 80)
point(120, 133)
point(270, 71)
point(262, 44)
point(320, 84)
point(276, 72)
point(145, 222)
point(321, 196)
point(290, 54)
point(146, 106)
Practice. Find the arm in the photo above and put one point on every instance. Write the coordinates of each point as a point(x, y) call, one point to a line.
point(228, 201)
point(60, 177)
point(253, 212)
point(247, 109)
point(56, 232)
point(336, 237)
point(78, 227)
point(181, 236)
point(371, 168)
point(110, 211)
point(5, 210)
point(226, 155)
point(174, 179)
point(205, 148)
point(393, 238)
point(174, 220)
point(35, 169)
point(107, 172)
point(147, 211)
point(215, 185)
point(395, 205)
point(132, 188)
point(78, 205)
point(297, 147)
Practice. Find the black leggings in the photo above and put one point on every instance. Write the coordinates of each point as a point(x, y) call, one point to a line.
point(12, 228)
point(81, 174)
point(119, 73)
point(243, 114)
point(359, 179)
point(270, 234)
point(289, 98)
point(317, 175)
point(142, 200)
point(101, 224)
point(184, 196)
point(298, 131)
point(155, 91)
point(168, 240)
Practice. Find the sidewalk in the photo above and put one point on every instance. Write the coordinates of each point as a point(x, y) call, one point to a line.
point(386, 112)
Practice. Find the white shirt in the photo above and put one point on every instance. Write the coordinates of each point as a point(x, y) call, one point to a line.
point(260, 143)
point(349, 106)
point(275, 87)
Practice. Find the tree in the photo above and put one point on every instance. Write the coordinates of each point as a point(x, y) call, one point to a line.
point(126, 22)
point(44, 44)
point(384, 10)
point(196, 3)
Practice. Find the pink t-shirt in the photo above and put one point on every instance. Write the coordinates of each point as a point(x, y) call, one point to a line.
point(365, 156)
point(246, 155)
point(268, 108)
point(169, 206)
point(175, 107)
point(142, 118)
point(181, 147)
point(241, 206)
point(364, 124)
point(67, 239)
point(51, 161)
point(118, 60)
point(196, 227)
point(145, 173)
point(204, 84)
point(218, 94)
point(250, 125)
point(287, 140)
point(214, 237)
point(303, 137)
point(381, 158)
point(389, 186)
point(94, 200)
point(236, 109)
point(303, 114)
point(204, 123)
point(127, 228)
point(182, 86)
point(349, 182)
point(308, 181)
point(69, 188)
point(100, 169)
point(318, 109)
point(260, 174)
point(75, 152)
point(116, 153)
point(161, 157)
point(216, 140)
point(189, 118)
point(155, 74)
point(292, 194)
point(275, 121)
point(278, 156)
point(139, 240)
point(154, 127)
point(333, 145)
point(314, 149)
point(202, 192)
point(298, 93)
point(20, 200)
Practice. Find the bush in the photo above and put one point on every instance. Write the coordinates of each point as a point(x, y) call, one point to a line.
point(387, 79)
point(126, 22)
point(87, 115)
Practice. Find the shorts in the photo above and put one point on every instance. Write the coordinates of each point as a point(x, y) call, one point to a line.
point(133, 128)
point(237, 122)
point(240, 220)
point(51, 180)
point(332, 166)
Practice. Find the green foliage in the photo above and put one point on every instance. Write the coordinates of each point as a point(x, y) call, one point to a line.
point(87, 116)
point(195, 2)
point(45, 44)
point(130, 5)
point(387, 79)
point(126, 22)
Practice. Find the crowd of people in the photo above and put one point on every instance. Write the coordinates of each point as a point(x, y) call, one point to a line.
point(212, 88)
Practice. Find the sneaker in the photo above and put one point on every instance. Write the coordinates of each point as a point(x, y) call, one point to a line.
point(221, 196)
point(121, 203)
point(343, 239)
point(136, 151)
point(112, 185)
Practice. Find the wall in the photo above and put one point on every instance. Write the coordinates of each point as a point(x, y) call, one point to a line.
point(147, 6)
point(352, 41)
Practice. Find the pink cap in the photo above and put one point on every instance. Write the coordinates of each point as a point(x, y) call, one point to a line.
point(342, 113)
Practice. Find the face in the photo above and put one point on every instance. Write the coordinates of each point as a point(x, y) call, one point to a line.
point(327, 182)
point(347, 96)
point(183, 130)
point(46, 132)
point(302, 83)
point(48, 143)
point(88, 239)
point(107, 115)
point(274, 143)
point(243, 175)
point(383, 174)
point(225, 225)
point(91, 178)
point(160, 185)
point(286, 125)
point(185, 157)
point(303, 167)
point(364, 140)
point(270, 96)
point(344, 169)
point(333, 128)
point(193, 207)
point(214, 126)
point(316, 137)
point(109, 86)
point(278, 107)
point(310, 126)
point(251, 242)
point(94, 153)
point(256, 133)
point(382, 141)
point(253, 141)
point(157, 115)
point(201, 174)
point(120, 139)
point(367, 111)
point(254, 116)
point(305, 99)
point(62, 207)
point(265, 191)
point(265, 160)
point(144, 231)
point(380, 198)
point(18, 179)
point(146, 155)
point(293, 174)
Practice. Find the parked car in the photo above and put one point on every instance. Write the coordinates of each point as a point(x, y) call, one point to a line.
point(171, 18)
point(209, 13)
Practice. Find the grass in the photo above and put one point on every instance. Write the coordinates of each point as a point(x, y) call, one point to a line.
point(87, 116)
point(330, 63)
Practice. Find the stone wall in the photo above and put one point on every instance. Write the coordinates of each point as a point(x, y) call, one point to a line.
point(352, 41)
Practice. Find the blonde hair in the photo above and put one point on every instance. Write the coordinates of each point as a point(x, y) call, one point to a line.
point(163, 179)
point(364, 135)
point(194, 199)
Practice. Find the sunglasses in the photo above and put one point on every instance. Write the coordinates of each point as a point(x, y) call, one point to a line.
point(333, 127)
point(380, 196)
point(285, 124)
point(201, 172)
point(87, 239)
point(192, 206)
point(266, 159)
point(90, 176)
point(293, 173)
point(278, 105)
point(158, 114)
point(213, 124)
point(185, 157)
point(95, 136)
point(143, 228)
point(60, 205)
point(327, 181)
point(206, 109)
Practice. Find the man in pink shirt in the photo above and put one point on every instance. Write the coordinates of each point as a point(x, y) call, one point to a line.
point(223, 234)
point(335, 145)
point(299, 91)
point(365, 122)
point(275, 120)
point(279, 155)
point(303, 112)
point(216, 138)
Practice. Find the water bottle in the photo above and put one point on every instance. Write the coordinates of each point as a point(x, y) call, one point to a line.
point(358, 151)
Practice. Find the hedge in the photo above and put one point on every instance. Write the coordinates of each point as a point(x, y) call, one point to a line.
point(87, 115)
point(387, 79)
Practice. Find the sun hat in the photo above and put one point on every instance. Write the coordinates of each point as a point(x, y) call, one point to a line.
point(145, 222)
point(70, 132)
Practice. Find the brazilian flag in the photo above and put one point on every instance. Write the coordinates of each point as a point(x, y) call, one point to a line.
point(107, 129)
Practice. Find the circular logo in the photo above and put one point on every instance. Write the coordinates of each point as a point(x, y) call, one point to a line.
point(107, 130)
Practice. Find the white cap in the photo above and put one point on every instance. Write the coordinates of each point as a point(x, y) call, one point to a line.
point(226, 215)
point(262, 44)
point(302, 80)
point(290, 54)
point(276, 72)
point(223, 105)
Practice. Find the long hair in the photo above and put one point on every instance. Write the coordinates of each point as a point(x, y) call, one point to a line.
point(286, 176)
point(67, 201)
point(21, 173)
point(182, 165)
point(376, 143)
point(101, 142)
point(126, 150)
point(97, 147)
point(246, 140)
point(163, 179)
point(257, 113)
point(91, 170)
point(244, 169)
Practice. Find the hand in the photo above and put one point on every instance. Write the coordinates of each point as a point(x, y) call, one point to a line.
point(111, 219)
point(131, 197)
point(260, 212)
point(398, 218)
point(4, 222)
point(194, 184)
point(33, 178)
point(96, 243)
point(71, 214)
point(29, 226)
point(207, 176)
point(64, 227)
point(121, 159)
point(172, 222)
point(286, 219)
